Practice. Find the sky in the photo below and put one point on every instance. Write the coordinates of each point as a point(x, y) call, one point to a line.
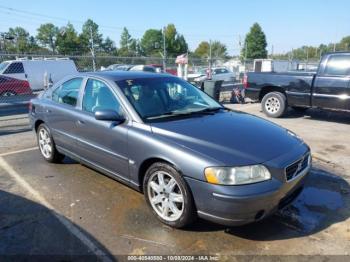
point(287, 24)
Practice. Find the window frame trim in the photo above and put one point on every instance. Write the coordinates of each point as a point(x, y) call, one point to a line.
point(82, 94)
point(61, 84)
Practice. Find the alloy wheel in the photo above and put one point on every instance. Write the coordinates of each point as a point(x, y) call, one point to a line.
point(165, 196)
point(45, 143)
point(272, 105)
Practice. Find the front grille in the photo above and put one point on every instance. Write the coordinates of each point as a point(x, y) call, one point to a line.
point(297, 167)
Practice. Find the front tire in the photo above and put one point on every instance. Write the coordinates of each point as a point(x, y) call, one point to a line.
point(274, 104)
point(47, 146)
point(168, 195)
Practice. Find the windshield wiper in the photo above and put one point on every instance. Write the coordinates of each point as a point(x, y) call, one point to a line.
point(206, 111)
point(209, 110)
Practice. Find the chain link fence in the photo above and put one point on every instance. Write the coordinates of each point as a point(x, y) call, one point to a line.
point(22, 77)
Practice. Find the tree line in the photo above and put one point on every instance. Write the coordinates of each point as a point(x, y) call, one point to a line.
point(66, 40)
point(315, 52)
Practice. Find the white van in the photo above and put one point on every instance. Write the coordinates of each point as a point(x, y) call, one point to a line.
point(38, 72)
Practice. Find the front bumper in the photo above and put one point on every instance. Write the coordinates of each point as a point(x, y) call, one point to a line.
point(238, 205)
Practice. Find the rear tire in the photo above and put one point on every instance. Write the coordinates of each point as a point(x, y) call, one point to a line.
point(274, 104)
point(168, 195)
point(47, 145)
point(8, 93)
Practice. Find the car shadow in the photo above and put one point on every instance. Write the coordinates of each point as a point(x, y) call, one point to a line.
point(30, 231)
point(14, 130)
point(324, 201)
point(321, 115)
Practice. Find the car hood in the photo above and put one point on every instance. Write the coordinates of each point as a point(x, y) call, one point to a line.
point(232, 138)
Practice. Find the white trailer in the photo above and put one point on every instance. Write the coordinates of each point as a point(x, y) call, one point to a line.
point(38, 72)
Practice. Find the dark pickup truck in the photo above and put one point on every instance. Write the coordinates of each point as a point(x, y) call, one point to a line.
point(328, 88)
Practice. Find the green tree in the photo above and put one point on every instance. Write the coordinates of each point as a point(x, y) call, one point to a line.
point(47, 36)
point(21, 40)
point(135, 48)
point(175, 43)
point(125, 39)
point(255, 43)
point(34, 47)
point(218, 50)
point(108, 46)
point(202, 50)
point(345, 43)
point(151, 42)
point(127, 44)
point(90, 28)
point(68, 41)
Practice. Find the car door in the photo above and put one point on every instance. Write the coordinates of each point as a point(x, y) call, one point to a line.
point(15, 70)
point(331, 87)
point(102, 143)
point(62, 113)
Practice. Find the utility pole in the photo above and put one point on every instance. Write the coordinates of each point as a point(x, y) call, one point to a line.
point(164, 50)
point(271, 52)
point(92, 48)
point(245, 54)
point(316, 52)
point(209, 68)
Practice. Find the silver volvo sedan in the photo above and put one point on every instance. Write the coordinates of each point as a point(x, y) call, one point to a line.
point(164, 137)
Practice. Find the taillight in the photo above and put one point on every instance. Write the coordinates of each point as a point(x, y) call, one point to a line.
point(30, 106)
point(26, 84)
point(245, 81)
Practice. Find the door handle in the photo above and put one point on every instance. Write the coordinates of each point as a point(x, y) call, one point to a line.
point(80, 122)
point(48, 111)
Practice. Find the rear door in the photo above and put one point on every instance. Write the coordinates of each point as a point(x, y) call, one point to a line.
point(15, 70)
point(331, 86)
point(102, 143)
point(62, 113)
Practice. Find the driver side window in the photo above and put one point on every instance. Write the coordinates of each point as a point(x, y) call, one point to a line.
point(98, 96)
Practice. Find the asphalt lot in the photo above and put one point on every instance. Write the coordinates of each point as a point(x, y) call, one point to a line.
point(69, 209)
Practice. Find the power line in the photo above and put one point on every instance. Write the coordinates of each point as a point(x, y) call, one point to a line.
point(14, 10)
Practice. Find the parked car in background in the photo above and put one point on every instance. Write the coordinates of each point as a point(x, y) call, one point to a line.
point(159, 134)
point(160, 69)
point(119, 67)
point(328, 88)
point(11, 86)
point(111, 67)
point(38, 72)
point(217, 74)
point(144, 68)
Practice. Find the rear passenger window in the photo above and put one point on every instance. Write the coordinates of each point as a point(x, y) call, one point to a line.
point(338, 65)
point(68, 92)
point(15, 68)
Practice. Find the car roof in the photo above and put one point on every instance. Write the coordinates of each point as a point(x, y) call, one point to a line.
point(124, 75)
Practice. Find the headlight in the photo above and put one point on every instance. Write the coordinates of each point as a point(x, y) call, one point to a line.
point(236, 175)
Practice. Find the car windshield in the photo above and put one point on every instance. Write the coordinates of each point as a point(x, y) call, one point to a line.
point(3, 66)
point(203, 71)
point(155, 98)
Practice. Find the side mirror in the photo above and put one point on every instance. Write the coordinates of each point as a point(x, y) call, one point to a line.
point(109, 115)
